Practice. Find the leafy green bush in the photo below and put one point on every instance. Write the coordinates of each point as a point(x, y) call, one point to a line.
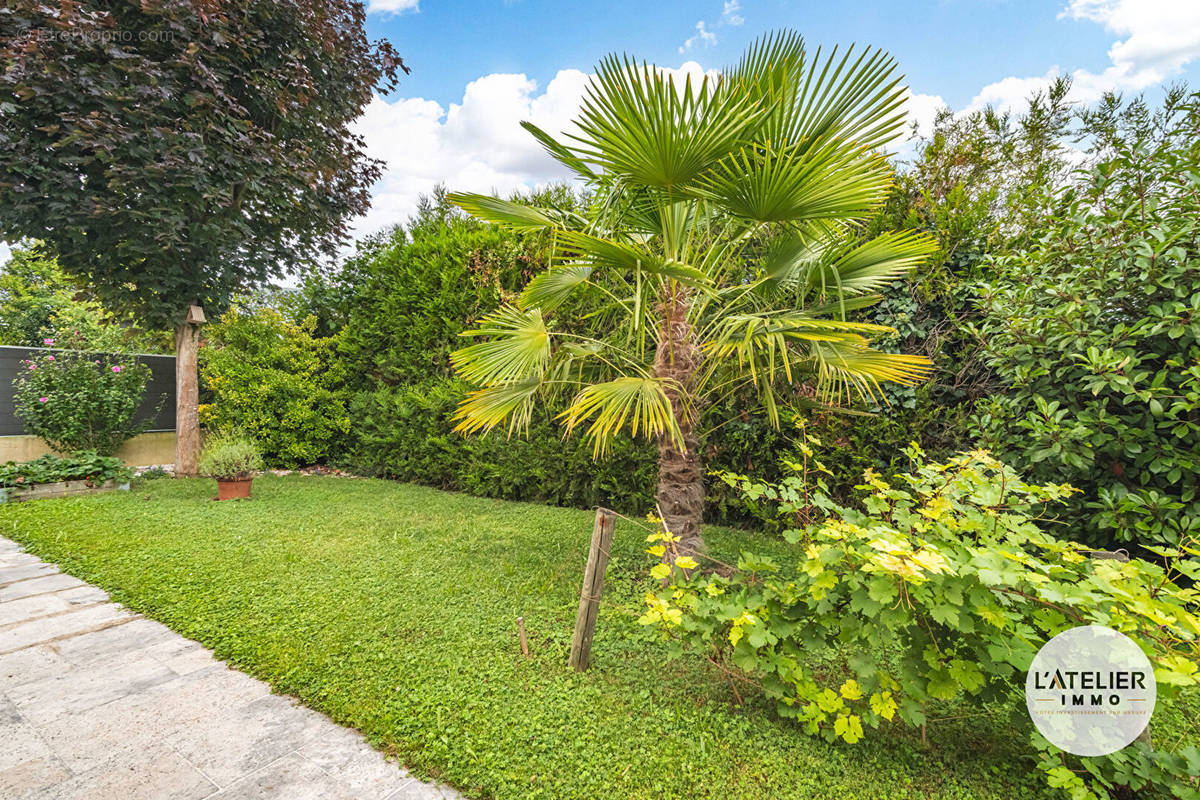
point(273, 379)
point(86, 465)
point(941, 587)
point(229, 455)
point(415, 289)
point(1094, 324)
point(81, 401)
point(406, 432)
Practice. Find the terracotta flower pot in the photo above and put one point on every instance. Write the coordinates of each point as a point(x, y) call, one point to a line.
point(237, 488)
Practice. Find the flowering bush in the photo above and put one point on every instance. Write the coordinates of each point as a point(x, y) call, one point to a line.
point(81, 401)
point(942, 587)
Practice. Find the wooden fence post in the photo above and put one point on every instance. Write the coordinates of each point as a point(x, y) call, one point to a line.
point(593, 585)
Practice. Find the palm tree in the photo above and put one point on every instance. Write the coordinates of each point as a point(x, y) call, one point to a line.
point(722, 253)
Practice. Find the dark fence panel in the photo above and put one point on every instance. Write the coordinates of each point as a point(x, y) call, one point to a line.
point(160, 388)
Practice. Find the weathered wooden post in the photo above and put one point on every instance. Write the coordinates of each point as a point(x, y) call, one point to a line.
point(593, 585)
point(187, 392)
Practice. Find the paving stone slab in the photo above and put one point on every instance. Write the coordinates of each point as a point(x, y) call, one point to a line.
point(45, 605)
point(229, 746)
point(416, 790)
point(116, 642)
point(23, 572)
point(30, 664)
point(290, 777)
point(158, 773)
point(345, 755)
point(19, 743)
point(30, 779)
point(49, 629)
point(27, 588)
point(41, 702)
point(17, 558)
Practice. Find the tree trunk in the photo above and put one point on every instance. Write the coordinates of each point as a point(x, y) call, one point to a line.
point(680, 492)
point(187, 399)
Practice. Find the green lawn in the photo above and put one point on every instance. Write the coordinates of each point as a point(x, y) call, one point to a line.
point(392, 608)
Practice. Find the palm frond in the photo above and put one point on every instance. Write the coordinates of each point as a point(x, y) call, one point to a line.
point(550, 289)
point(518, 348)
point(607, 254)
point(636, 122)
point(640, 401)
point(773, 183)
point(484, 409)
point(875, 263)
point(845, 372)
point(517, 216)
point(764, 344)
point(560, 152)
point(856, 99)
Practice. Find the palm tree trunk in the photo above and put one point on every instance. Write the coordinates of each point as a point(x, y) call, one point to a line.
point(680, 492)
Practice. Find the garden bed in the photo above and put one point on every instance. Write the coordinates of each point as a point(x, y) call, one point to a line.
point(59, 489)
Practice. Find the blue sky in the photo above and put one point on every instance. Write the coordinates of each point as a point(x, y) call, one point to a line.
point(479, 68)
point(951, 48)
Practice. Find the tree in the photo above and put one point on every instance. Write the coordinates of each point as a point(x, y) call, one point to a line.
point(1091, 322)
point(177, 152)
point(33, 291)
point(723, 253)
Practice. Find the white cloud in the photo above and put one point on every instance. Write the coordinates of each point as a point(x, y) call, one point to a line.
point(922, 110)
point(702, 36)
point(1012, 93)
point(392, 6)
point(477, 145)
point(730, 15)
point(1156, 40)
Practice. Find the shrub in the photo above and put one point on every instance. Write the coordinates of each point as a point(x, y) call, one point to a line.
point(271, 378)
point(86, 465)
point(1094, 326)
point(416, 289)
point(82, 401)
point(405, 432)
point(229, 455)
point(942, 586)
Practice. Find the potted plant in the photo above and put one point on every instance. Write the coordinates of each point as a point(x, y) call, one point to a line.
point(232, 458)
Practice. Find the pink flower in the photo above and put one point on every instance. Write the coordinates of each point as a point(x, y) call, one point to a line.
point(116, 369)
point(48, 342)
point(33, 366)
point(49, 358)
point(43, 399)
point(97, 361)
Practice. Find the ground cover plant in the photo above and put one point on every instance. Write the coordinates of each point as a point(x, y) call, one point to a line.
point(85, 465)
point(392, 608)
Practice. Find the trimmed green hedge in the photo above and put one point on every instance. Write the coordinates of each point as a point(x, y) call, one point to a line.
point(406, 432)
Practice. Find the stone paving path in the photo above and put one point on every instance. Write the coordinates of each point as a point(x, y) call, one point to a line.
point(97, 703)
